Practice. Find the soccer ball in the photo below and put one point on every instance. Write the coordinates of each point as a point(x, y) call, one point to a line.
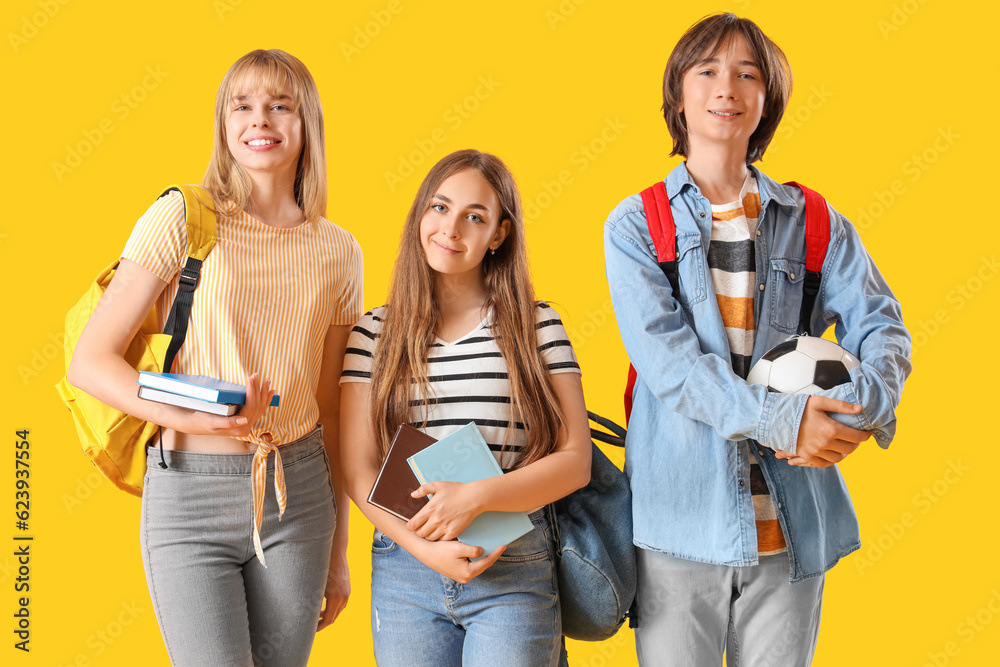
point(803, 365)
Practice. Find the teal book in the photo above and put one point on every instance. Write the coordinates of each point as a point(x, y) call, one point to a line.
point(201, 387)
point(465, 457)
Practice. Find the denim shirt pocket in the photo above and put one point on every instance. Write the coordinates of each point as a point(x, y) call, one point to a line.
point(786, 294)
point(690, 268)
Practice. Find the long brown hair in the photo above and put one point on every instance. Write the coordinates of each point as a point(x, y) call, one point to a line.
point(411, 316)
point(272, 69)
point(707, 36)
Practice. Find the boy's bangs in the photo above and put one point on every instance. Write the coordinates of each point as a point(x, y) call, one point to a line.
point(712, 44)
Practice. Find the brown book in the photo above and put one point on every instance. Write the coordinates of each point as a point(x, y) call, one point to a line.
point(395, 481)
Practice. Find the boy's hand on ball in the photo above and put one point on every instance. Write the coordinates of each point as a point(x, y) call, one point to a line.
point(823, 441)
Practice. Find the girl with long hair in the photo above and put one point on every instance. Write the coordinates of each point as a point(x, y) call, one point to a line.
point(462, 339)
point(278, 293)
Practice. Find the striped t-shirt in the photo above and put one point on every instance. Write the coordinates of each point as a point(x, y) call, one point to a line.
point(733, 268)
point(468, 378)
point(264, 303)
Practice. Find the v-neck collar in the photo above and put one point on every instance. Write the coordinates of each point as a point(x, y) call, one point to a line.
point(479, 327)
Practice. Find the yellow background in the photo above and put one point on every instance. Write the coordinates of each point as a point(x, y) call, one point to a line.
point(879, 85)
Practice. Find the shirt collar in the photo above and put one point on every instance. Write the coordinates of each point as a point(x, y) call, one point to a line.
point(680, 178)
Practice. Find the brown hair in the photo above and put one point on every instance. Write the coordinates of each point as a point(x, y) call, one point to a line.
point(706, 37)
point(272, 69)
point(400, 357)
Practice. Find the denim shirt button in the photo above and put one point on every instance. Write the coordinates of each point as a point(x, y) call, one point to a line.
point(758, 232)
point(741, 482)
point(702, 214)
point(761, 287)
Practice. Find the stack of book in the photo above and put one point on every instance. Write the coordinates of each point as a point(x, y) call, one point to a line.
point(416, 458)
point(194, 392)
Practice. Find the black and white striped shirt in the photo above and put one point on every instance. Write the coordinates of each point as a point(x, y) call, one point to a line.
point(468, 377)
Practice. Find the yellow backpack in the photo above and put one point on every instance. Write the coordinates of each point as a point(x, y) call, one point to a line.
point(114, 441)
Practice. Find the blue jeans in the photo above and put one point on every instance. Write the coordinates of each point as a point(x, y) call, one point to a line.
point(215, 603)
point(508, 615)
point(691, 612)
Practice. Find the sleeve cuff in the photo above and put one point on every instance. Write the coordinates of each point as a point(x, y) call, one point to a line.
point(778, 427)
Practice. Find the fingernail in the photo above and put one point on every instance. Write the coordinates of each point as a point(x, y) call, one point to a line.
point(241, 421)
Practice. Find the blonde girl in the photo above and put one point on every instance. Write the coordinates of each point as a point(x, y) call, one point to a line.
point(463, 339)
point(230, 584)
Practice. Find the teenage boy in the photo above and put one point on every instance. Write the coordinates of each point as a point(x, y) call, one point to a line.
point(738, 506)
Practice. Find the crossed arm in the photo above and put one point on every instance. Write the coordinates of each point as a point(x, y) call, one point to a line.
point(429, 535)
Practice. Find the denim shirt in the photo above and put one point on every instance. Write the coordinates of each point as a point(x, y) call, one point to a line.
point(695, 423)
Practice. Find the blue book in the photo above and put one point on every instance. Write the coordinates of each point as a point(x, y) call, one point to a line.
point(202, 387)
point(465, 457)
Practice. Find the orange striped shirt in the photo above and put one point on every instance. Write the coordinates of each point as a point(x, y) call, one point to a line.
point(733, 268)
point(264, 303)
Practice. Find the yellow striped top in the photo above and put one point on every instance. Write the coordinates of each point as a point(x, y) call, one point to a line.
point(264, 303)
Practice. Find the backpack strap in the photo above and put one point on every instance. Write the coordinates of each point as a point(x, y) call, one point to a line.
point(660, 222)
point(817, 241)
point(199, 220)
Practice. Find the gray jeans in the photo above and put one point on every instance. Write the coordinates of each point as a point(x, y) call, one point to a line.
point(215, 603)
point(691, 613)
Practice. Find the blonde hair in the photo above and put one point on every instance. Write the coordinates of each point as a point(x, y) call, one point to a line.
point(272, 70)
point(400, 358)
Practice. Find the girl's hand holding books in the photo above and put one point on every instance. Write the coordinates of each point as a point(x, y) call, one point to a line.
point(451, 559)
point(259, 395)
point(450, 511)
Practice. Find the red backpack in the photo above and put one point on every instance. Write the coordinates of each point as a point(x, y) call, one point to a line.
point(660, 221)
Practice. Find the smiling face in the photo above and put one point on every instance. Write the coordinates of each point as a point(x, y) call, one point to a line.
point(264, 131)
point(460, 225)
point(723, 96)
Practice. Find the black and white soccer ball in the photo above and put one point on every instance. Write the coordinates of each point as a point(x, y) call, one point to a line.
point(803, 365)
